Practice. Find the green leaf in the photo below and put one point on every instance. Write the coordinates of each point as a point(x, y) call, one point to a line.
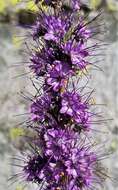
point(94, 3)
point(112, 6)
point(16, 132)
point(3, 5)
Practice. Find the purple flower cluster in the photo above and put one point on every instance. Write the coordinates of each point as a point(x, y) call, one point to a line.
point(70, 163)
point(66, 163)
point(56, 28)
point(66, 109)
point(73, 106)
point(39, 108)
point(56, 77)
point(63, 160)
point(63, 42)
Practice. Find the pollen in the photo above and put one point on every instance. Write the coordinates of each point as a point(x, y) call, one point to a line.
point(62, 174)
point(58, 188)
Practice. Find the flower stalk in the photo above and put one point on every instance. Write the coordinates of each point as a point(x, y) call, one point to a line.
point(63, 159)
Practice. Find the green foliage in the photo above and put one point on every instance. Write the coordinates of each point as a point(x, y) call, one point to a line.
point(6, 3)
point(111, 5)
point(31, 6)
point(19, 187)
point(95, 3)
point(16, 132)
point(2, 5)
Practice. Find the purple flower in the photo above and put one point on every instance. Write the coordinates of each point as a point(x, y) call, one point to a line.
point(78, 54)
point(59, 142)
point(33, 167)
point(38, 63)
point(80, 164)
point(82, 33)
point(39, 108)
point(71, 164)
point(51, 27)
point(56, 28)
point(56, 77)
point(42, 61)
point(38, 29)
point(76, 4)
point(56, 55)
point(73, 106)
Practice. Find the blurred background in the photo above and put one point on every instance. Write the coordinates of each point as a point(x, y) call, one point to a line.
point(14, 80)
